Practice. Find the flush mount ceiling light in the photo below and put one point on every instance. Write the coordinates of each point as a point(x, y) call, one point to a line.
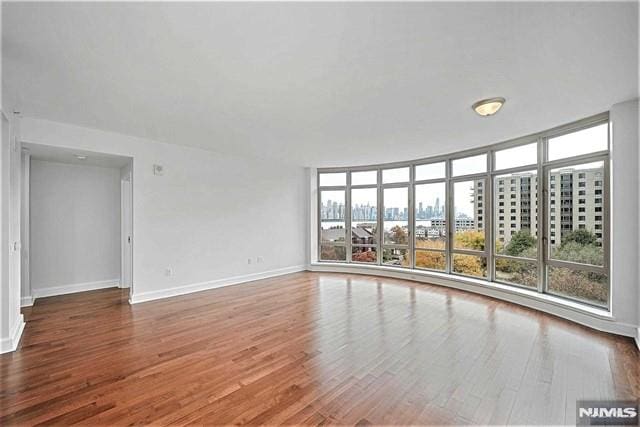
point(80, 157)
point(488, 107)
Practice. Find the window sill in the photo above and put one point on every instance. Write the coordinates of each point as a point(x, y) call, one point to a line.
point(497, 290)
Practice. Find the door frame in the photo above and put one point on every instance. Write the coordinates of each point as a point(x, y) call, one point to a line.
point(126, 226)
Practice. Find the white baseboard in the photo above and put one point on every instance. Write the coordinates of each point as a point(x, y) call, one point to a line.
point(76, 287)
point(592, 317)
point(638, 338)
point(26, 301)
point(11, 342)
point(203, 286)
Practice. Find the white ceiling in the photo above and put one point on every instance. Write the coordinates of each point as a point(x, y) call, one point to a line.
point(66, 155)
point(319, 84)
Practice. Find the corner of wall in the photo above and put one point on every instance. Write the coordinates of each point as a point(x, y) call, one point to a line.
point(10, 343)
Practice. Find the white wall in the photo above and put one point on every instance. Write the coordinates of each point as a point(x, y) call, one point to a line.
point(204, 217)
point(75, 227)
point(25, 288)
point(11, 320)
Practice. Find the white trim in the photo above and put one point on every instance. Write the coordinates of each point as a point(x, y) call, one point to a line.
point(638, 338)
point(11, 343)
point(592, 317)
point(203, 286)
point(26, 301)
point(76, 287)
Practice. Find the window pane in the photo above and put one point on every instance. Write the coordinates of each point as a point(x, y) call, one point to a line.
point(591, 287)
point(469, 165)
point(430, 171)
point(364, 215)
point(469, 214)
point(431, 260)
point(332, 216)
point(364, 254)
point(390, 176)
point(517, 156)
point(470, 265)
point(585, 141)
point(577, 226)
point(364, 178)
point(333, 253)
point(518, 272)
point(396, 215)
point(395, 256)
point(515, 218)
point(430, 230)
point(333, 179)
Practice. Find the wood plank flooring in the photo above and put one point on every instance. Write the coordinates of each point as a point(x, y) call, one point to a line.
point(307, 348)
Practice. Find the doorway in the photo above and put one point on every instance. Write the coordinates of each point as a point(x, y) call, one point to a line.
point(77, 222)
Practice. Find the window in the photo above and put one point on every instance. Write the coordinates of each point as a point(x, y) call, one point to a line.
point(430, 171)
point(390, 176)
point(416, 215)
point(521, 155)
point(468, 232)
point(364, 178)
point(364, 225)
point(469, 165)
point(396, 226)
point(333, 179)
point(332, 226)
point(577, 259)
point(589, 140)
point(430, 226)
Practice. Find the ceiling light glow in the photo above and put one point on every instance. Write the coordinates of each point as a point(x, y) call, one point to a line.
point(488, 107)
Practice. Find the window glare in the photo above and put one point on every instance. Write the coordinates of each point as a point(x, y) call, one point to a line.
point(585, 141)
point(469, 165)
point(395, 175)
point(333, 179)
point(430, 171)
point(517, 156)
point(364, 178)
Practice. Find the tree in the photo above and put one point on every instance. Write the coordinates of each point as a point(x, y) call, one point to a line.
point(470, 239)
point(398, 235)
point(430, 259)
point(576, 252)
point(364, 256)
point(581, 237)
point(335, 253)
point(520, 241)
point(470, 265)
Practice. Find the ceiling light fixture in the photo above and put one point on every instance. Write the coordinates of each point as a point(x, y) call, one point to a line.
point(80, 157)
point(488, 107)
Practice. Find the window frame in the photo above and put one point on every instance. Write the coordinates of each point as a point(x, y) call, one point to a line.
point(606, 232)
point(541, 165)
point(412, 241)
point(347, 239)
point(378, 234)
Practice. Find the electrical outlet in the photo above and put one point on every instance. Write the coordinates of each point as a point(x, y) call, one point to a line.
point(249, 260)
point(168, 272)
point(260, 259)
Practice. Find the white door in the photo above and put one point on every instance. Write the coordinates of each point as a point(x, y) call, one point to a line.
point(127, 232)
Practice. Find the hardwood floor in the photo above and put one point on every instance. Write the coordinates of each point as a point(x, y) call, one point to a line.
point(307, 348)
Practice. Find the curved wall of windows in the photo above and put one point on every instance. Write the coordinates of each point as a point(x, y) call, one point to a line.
point(529, 213)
